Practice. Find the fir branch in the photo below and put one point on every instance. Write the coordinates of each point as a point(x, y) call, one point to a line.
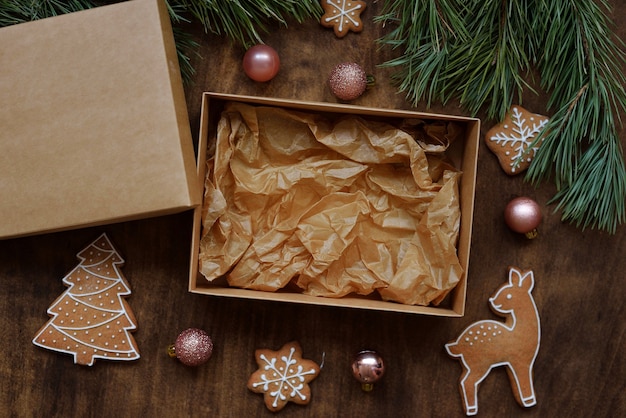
point(426, 31)
point(244, 21)
point(478, 51)
point(581, 146)
point(491, 67)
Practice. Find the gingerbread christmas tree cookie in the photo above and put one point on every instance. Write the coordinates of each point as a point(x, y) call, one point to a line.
point(283, 376)
point(512, 139)
point(92, 319)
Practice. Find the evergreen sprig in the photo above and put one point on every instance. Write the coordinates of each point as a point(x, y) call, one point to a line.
point(425, 31)
point(477, 51)
point(245, 21)
point(580, 65)
point(481, 53)
point(490, 69)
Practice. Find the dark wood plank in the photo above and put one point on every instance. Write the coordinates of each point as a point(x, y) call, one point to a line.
point(580, 370)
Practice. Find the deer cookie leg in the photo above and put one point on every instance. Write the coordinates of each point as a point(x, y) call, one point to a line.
point(523, 389)
point(469, 392)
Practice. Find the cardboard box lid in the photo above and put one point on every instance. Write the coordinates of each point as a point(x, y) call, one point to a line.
point(93, 121)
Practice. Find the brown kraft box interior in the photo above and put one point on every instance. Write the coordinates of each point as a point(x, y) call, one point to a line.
point(463, 153)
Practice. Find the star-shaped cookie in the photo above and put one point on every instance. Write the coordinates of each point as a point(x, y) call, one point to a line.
point(512, 140)
point(343, 16)
point(283, 376)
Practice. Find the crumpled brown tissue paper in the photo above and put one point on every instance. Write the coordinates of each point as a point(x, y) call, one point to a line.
point(333, 204)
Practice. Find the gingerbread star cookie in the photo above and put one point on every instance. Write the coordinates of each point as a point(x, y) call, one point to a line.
point(283, 376)
point(343, 16)
point(512, 139)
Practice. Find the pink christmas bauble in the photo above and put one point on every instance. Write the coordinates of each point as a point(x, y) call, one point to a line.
point(261, 63)
point(193, 347)
point(523, 215)
point(347, 81)
point(368, 368)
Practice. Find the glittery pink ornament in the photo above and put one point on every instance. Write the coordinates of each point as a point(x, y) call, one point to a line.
point(193, 347)
point(347, 81)
point(368, 368)
point(523, 215)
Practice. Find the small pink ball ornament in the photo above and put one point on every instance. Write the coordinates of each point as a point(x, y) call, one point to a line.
point(193, 347)
point(261, 63)
point(523, 215)
point(348, 81)
point(368, 368)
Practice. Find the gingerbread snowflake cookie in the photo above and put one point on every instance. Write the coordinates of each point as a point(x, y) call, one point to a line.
point(343, 16)
point(511, 139)
point(283, 376)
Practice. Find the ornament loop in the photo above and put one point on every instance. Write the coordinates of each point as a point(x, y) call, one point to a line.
point(171, 350)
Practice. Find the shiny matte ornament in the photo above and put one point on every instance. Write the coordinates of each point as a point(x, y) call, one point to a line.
point(368, 368)
point(523, 215)
point(193, 347)
point(261, 63)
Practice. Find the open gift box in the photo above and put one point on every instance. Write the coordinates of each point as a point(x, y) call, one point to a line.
point(462, 154)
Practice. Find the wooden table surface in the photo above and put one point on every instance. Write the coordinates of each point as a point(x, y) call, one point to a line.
point(580, 287)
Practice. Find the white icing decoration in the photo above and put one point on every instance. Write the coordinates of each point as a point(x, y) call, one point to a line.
point(518, 349)
point(285, 380)
point(344, 8)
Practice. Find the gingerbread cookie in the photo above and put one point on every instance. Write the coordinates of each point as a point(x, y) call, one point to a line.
point(283, 376)
point(343, 16)
point(91, 319)
point(511, 139)
point(513, 343)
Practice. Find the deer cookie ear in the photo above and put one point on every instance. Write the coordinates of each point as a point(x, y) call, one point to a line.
point(525, 280)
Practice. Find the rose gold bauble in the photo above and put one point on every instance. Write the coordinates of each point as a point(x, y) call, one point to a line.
point(261, 63)
point(523, 215)
point(347, 81)
point(368, 368)
point(193, 347)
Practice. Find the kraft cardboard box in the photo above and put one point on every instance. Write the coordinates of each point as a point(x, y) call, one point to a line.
point(93, 122)
point(464, 154)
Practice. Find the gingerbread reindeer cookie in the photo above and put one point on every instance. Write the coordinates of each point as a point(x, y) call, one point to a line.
point(513, 343)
